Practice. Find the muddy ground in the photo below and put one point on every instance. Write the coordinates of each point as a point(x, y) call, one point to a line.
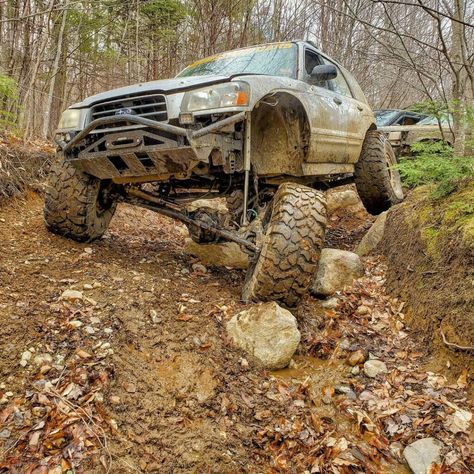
point(136, 373)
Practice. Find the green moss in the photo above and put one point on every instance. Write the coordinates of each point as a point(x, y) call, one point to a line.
point(431, 239)
point(443, 220)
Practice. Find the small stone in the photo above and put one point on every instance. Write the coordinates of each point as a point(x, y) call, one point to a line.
point(96, 284)
point(41, 359)
point(108, 330)
point(45, 369)
point(374, 367)
point(199, 268)
point(423, 454)
point(83, 354)
point(26, 355)
point(5, 433)
point(355, 370)
point(114, 400)
point(345, 344)
point(130, 387)
point(89, 330)
point(88, 286)
point(244, 363)
point(95, 320)
point(361, 310)
point(9, 394)
point(88, 250)
point(356, 358)
point(154, 316)
point(330, 303)
point(23, 362)
point(72, 295)
point(75, 324)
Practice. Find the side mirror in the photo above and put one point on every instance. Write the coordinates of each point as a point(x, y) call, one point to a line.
point(323, 72)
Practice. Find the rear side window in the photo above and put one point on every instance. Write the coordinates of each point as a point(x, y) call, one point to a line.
point(354, 85)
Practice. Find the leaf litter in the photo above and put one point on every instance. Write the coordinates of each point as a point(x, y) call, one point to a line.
point(162, 390)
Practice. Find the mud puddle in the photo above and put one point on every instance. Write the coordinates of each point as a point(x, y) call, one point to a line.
point(328, 384)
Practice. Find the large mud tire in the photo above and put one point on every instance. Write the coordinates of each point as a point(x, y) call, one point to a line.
point(294, 227)
point(377, 182)
point(75, 206)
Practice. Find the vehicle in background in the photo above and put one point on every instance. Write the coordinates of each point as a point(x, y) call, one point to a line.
point(387, 117)
point(430, 129)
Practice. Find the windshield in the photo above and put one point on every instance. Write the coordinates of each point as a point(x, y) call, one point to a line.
point(434, 121)
point(277, 59)
point(385, 117)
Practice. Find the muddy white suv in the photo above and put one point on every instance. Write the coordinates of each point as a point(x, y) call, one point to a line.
point(268, 127)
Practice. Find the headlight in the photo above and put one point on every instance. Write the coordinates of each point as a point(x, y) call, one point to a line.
point(231, 94)
point(72, 119)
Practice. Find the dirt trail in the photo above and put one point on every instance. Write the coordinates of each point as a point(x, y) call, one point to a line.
point(137, 374)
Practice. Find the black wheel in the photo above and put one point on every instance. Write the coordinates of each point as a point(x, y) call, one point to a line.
point(378, 182)
point(294, 227)
point(77, 205)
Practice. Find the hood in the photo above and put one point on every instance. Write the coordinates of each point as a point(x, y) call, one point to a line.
point(177, 84)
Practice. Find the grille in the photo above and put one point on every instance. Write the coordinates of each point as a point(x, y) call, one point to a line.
point(152, 106)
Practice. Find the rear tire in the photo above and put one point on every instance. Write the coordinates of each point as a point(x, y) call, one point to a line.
point(294, 227)
point(77, 204)
point(378, 183)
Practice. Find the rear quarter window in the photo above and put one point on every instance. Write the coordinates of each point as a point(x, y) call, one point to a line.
point(355, 88)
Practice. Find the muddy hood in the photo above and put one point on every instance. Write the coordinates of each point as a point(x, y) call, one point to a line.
point(177, 84)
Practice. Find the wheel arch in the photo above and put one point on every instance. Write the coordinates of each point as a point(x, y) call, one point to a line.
point(280, 137)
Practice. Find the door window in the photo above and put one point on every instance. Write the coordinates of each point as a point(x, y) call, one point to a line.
point(339, 84)
point(311, 59)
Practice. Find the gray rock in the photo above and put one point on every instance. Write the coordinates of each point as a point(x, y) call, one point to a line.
point(373, 237)
point(342, 199)
point(267, 332)
point(198, 267)
point(374, 367)
point(330, 303)
point(41, 359)
point(5, 433)
point(422, 454)
point(217, 204)
point(337, 269)
point(225, 254)
point(72, 295)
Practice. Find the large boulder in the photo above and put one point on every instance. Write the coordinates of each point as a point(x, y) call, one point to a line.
point(225, 254)
point(337, 269)
point(267, 332)
point(373, 237)
point(423, 455)
point(344, 198)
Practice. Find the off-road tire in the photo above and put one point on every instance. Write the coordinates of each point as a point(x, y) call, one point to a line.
point(73, 204)
point(293, 227)
point(377, 182)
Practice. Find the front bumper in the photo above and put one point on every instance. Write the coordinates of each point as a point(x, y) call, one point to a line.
point(155, 149)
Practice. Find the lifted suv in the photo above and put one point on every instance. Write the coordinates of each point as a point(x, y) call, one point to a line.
point(268, 127)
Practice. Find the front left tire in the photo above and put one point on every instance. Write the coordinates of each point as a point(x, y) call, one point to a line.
point(293, 236)
point(77, 205)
